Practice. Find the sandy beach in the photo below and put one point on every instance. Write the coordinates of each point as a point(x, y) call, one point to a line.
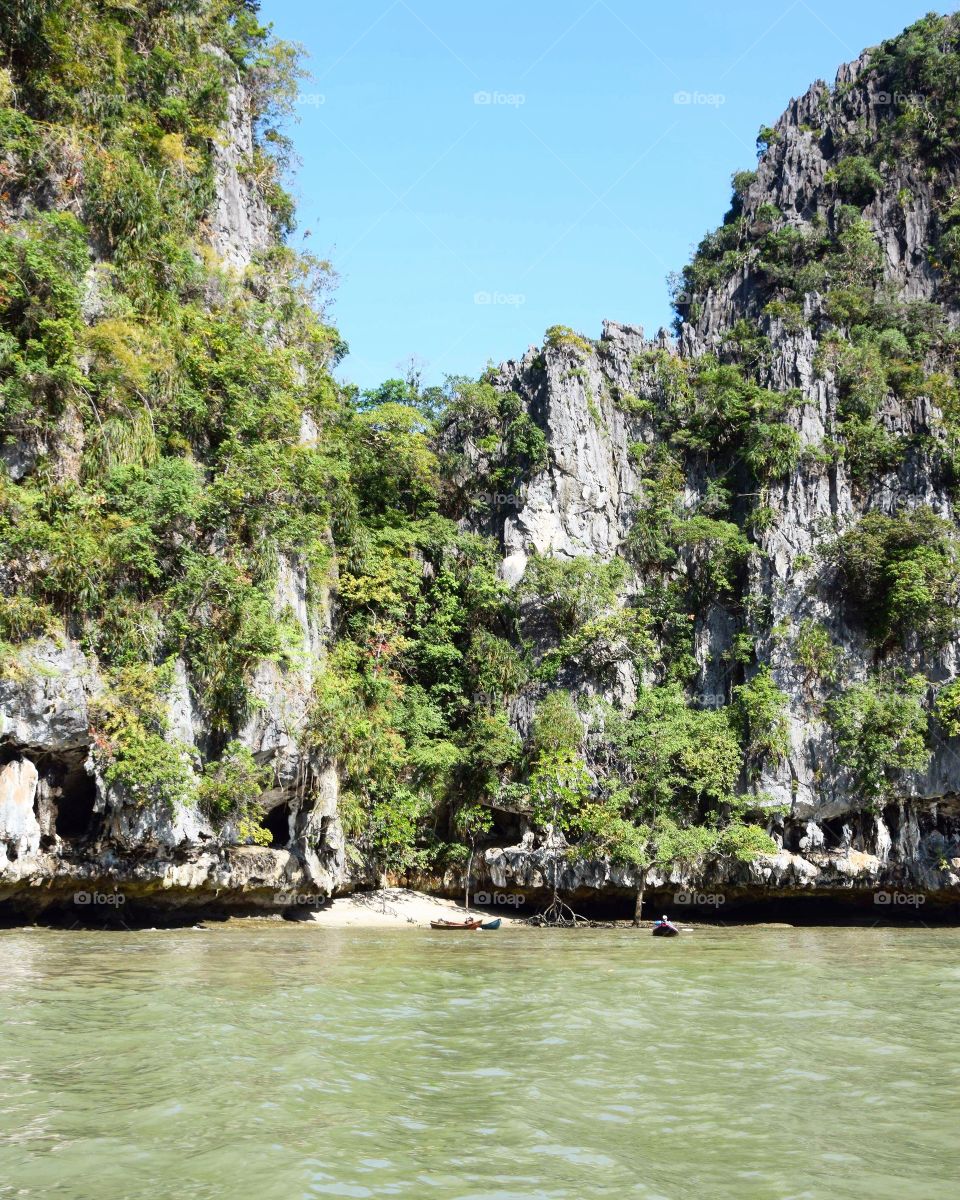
point(397, 906)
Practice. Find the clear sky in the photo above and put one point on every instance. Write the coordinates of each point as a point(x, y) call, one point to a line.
point(478, 172)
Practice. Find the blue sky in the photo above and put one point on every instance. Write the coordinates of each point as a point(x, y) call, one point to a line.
point(479, 172)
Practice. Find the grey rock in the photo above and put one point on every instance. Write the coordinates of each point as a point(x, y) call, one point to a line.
point(239, 221)
point(583, 503)
point(44, 697)
point(19, 828)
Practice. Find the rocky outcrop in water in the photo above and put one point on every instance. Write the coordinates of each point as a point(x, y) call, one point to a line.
point(64, 829)
point(834, 839)
point(834, 263)
point(835, 842)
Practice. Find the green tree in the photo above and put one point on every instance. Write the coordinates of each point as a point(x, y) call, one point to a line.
point(761, 711)
point(856, 179)
point(900, 574)
point(574, 591)
point(880, 728)
point(231, 789)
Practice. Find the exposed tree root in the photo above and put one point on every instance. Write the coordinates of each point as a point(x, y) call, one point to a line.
point(560, 915)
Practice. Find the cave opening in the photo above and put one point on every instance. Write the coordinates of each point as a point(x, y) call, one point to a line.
point(832, 828)
point(793, 833)
point(277, 821)
point(506, 828)
point(74, 796)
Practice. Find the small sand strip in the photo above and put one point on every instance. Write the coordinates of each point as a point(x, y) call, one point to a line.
point(396, 906)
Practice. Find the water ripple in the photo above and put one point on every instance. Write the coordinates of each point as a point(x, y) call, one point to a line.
point(282, 1062)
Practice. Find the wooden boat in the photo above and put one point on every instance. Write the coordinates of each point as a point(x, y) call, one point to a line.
point(664, 929)
point(494, 924)
point(469, 923)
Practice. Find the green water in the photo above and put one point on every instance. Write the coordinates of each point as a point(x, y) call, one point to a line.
point(262, 1061)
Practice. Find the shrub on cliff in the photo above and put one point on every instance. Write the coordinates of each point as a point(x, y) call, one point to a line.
point(230, 790)
point(576, 590)
point(880, 728)
point(760, 710)
point(856, 179)
point(900, 575)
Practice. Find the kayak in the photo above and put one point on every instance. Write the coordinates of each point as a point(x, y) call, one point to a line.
point(494, 924)
point(664, 929)
point(470, 923)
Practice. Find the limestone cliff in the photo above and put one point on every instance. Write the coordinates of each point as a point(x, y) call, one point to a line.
point(66, 824)
point(601, 406)
point(237, 609)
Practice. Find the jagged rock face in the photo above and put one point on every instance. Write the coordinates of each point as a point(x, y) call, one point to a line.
point(239, 220)
point(791, 176)
point(43, 699)
point(856, 858)
point(21, 828)
point(584, 502)
point(61, 825)
point(581, 504)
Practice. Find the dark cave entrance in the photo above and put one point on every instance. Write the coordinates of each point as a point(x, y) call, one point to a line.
point(66, 793)
point(277, 821)
point(506, 828)
point(73, 795)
